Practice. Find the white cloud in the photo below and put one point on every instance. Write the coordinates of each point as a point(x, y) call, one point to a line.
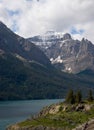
point(35, 17)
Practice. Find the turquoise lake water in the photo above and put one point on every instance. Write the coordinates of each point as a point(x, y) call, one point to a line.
point(15, 111)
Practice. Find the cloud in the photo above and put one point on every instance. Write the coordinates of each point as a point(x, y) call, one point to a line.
point(32, 17)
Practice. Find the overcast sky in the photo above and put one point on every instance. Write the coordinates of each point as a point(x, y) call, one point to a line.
point(32, 17)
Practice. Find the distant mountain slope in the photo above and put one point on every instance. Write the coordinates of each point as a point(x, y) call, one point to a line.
point(22, 80)
point(65, 53)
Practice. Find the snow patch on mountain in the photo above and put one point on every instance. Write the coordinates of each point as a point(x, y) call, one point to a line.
point(57, 60)
point(69, 69)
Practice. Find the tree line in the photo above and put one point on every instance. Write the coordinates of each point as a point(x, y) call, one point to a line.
point(73, 98)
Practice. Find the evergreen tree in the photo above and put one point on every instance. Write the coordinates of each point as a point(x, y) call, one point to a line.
point(90, 96)
point(78, 97)
point(70, 97)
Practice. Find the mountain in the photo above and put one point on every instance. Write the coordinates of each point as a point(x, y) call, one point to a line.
point(26, 72)
point(65, 53)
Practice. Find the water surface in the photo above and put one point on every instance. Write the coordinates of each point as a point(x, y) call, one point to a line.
point(15, 111)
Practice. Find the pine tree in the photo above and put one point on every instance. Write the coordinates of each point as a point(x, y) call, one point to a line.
point(70, 97)
point(78, 97)
point(90, 96)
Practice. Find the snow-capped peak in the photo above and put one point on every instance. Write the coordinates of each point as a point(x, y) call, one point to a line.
point(50, 38)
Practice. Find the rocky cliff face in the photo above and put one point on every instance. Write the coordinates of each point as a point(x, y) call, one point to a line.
point(65, 53)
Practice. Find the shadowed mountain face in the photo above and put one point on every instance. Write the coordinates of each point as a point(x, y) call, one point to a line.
point(65, 53)
point(20, 47)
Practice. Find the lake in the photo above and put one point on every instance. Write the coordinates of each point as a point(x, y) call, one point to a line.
point(15, 111)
